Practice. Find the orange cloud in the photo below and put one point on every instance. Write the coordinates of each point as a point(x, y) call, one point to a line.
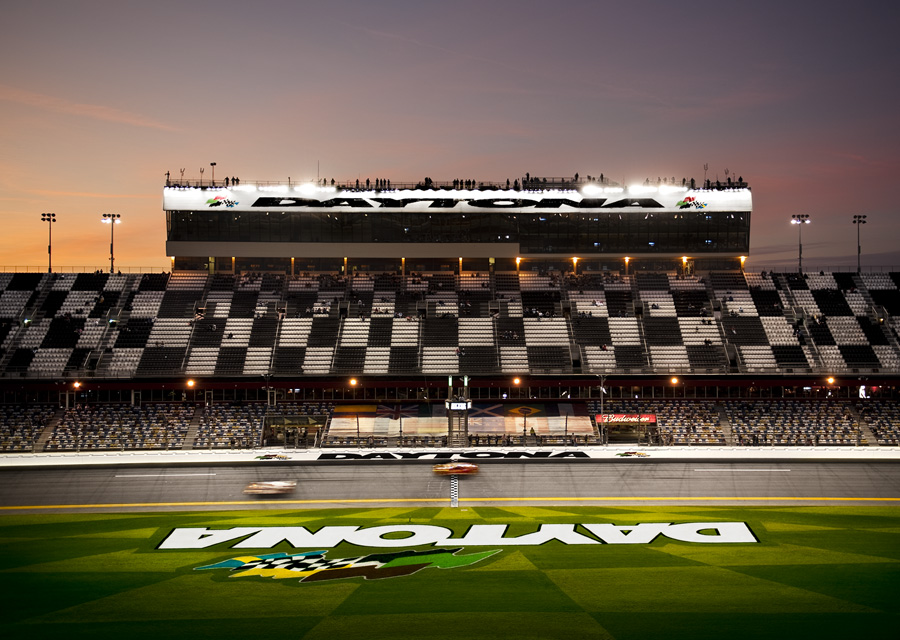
point(93, 111)
point(82, 194)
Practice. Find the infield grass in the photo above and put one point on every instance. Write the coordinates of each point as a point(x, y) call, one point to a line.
point(816, 572)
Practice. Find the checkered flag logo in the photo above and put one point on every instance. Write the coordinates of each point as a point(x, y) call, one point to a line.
point(313, 566)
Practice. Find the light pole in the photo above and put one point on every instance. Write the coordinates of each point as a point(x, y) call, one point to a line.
point(602, 412)
point(112, 219)
point(858, 220)
point(213, 165)
point(800, 219)
point(49, 218)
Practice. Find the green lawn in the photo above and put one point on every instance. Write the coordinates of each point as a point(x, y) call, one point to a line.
point(816, 572)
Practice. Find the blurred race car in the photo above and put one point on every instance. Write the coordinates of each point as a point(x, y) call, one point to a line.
point(455, 468)
point(276, 487)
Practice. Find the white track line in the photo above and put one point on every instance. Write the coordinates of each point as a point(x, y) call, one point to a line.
point(168, 475)
point(744, 470)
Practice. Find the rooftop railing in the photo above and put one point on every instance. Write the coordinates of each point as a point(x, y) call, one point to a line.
point(75, 269)
point(524, 184)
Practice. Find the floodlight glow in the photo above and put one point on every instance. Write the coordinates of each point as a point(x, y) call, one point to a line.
point(245, 187)
point(278, 188)
point(591, 190)
point(667, 188)
point(641, 188)
point(307, 188)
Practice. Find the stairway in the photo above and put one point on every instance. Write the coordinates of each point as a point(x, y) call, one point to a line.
point(48, 430)
point(193, 429)
point(865, 431)
point(725, 423)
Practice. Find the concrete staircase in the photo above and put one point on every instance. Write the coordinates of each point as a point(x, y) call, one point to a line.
point(725, 423)
point(193, 429)
point(865, 431)
point(44, 436)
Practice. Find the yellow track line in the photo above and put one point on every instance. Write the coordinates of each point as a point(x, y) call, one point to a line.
point(444, 501)
point(675, 498)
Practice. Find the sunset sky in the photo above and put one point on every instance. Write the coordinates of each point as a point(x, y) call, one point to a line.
point(99, 99)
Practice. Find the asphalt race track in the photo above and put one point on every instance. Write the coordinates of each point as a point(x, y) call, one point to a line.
point(532, 483)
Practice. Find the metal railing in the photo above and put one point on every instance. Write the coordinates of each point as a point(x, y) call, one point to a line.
point(76, 269)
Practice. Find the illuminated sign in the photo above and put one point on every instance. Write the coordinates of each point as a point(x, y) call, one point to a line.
point(298, 199)
point(644, 418)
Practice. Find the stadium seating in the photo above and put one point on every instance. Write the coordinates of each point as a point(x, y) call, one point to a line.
point(119, 426)
point(238, 326)
point(20, 426)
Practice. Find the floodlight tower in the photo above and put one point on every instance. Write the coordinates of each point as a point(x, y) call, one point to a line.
point(112, 219)
point(49, 218)
point(858, 220)
point(800, 219)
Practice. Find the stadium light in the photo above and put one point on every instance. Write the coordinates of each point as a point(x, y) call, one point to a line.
point(830, 380)
point(76, 384)
point(353, 382)
point(858, 220)
point(674, 380)
point(518, 261)
point(190, 383)
point(627, 260)
point(575, 266)
point(743, 260)
point(49, 218)
point(112, 219)
point(800, 219)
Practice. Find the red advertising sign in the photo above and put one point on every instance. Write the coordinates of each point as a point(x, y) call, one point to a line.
point(608, 418)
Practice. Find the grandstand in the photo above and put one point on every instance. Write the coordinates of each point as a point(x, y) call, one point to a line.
point(566, 285)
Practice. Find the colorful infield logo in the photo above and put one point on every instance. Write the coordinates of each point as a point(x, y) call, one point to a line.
point(220, 201)
point(313, 566)
point(689, 202)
